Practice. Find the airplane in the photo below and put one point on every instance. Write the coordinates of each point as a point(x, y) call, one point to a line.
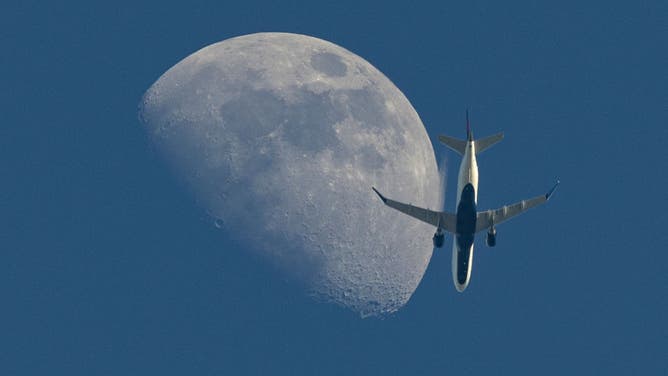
point(466, 221)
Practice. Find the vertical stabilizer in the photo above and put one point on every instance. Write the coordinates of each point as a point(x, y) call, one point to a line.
point(460, 145)
point(456, 144)
point(469, 134)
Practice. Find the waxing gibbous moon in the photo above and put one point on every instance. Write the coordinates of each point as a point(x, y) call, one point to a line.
point(280, 138)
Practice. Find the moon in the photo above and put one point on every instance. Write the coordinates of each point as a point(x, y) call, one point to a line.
point(280, 137)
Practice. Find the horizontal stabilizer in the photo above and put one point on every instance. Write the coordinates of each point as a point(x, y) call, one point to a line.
point(453, 143)
point(487, 142)
point(480, 145)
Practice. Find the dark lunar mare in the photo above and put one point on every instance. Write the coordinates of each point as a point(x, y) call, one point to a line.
point(466, 221)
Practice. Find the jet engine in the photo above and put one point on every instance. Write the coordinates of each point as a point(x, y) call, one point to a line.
point(439, 239)
point(491, 237)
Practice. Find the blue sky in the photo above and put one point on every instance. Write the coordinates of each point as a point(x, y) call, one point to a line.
point(107, 267)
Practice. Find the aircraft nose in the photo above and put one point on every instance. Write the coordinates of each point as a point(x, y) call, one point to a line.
point(461, 287)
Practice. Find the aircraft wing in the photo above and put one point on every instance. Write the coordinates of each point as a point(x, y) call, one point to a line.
point(488, 218)
point(443, 220)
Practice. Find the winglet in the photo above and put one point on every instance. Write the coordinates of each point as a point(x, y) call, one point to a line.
point(379, 195)
point(469, 135)
point(548, 194)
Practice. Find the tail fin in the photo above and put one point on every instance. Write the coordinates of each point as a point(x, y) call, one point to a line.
point(480, 145)
point(460, 145)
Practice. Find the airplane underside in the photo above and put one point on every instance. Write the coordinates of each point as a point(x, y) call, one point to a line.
point(466, 221)
point(462, 252)
point(463, 255)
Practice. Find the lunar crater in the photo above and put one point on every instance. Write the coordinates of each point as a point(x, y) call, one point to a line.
point(329, 64)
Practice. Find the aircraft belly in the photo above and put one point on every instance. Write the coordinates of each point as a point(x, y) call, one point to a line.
point(462, 253)
point(462, 260)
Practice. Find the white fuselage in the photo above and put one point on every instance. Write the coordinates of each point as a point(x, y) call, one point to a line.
point(462, 250)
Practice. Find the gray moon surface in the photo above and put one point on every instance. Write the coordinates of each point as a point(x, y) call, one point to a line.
point(280, 138)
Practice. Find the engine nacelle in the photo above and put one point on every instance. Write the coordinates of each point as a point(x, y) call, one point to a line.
point(438, 239)
point(491, 237)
